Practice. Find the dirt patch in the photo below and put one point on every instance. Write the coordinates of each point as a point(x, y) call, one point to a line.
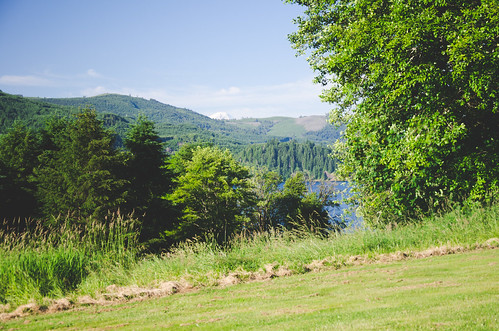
point(114, 294)
point(312, 123)
point(492, 243)
point(440, 251)
point(59, 305)
point(128, 293)
point(231, 279)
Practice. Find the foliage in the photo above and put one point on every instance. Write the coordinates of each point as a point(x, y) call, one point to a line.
point(416, 83)
point(177, 126)
point(34, 113)
point(214, 194)
point(180, 125)
point(31, 112)
point(19, 149)
point(73, 166)
point(292, 205)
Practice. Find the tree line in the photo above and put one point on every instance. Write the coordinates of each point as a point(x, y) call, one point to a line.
point(71, 169)
point(289, 157)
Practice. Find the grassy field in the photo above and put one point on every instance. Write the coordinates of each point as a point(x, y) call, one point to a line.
point(457, 292)
point(67, 269)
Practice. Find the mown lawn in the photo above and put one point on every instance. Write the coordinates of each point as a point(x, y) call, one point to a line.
point(457, 292)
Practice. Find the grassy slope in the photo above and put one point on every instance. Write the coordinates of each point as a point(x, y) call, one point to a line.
point(300, 128)
point(459, 292)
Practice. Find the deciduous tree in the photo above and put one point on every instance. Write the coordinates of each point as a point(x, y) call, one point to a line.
point(213, 193)
point(416, 82)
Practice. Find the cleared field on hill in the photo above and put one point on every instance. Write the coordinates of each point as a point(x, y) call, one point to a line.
point(459, 292)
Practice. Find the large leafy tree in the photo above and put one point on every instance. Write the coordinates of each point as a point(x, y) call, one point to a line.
point(416, 82)
point(213, 191)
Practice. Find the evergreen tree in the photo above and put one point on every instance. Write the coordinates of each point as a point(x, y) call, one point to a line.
point(149, 178)
point(18, 156)
point(79, 167)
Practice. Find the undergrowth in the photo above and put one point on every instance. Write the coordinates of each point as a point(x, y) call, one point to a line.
point(73, 261)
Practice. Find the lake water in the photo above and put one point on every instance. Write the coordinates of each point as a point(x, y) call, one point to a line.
point(339, 212)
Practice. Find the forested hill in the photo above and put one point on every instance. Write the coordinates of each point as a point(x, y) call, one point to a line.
point(130, 107)
point(282, 144)
point(33, 113)
point(289, 157)
point(179, 124)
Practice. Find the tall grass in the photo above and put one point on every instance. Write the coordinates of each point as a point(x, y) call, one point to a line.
point(51, 261)
point(79, 260)
point(202, 263)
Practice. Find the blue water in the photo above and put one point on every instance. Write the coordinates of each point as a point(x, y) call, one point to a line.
point(341, 212)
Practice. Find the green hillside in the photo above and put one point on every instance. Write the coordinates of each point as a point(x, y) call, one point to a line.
point(35, 112)
point(175, 125)
point(246, 138)
point(180, 124)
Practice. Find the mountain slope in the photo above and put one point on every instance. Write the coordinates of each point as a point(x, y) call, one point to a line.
point(177, 125)
point(314, 128)
point(31, 112)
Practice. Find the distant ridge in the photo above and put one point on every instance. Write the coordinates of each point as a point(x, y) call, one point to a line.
point(173, 122)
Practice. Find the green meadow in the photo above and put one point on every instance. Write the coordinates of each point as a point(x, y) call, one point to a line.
point(452, 292)
point(437, 274)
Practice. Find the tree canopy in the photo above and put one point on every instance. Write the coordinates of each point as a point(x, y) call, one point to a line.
point(416, 83)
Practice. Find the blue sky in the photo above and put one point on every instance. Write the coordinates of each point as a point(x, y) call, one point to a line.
point(206, 55)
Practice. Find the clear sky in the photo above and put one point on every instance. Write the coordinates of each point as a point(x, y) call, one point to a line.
point(206, 55)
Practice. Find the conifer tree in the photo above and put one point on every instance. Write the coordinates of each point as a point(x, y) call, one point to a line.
point(79, 169)
point(149, 178)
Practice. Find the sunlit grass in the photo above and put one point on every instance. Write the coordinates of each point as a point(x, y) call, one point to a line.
point(74, 261)
point(453, 292)
point(203, 263)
